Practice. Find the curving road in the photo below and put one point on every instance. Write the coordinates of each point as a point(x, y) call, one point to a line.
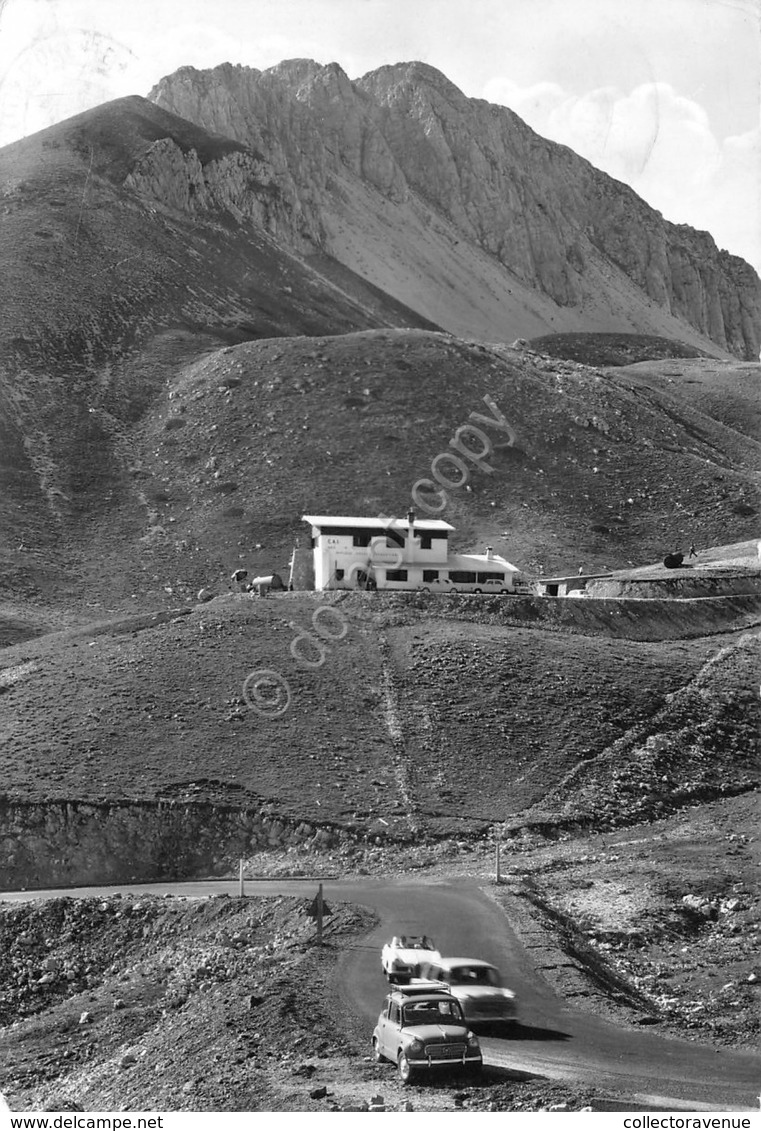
point(552, 1039)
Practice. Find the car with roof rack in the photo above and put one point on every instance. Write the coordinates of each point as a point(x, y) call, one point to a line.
point(423, 1030)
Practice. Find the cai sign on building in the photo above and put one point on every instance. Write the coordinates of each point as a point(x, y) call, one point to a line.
point(410, 553)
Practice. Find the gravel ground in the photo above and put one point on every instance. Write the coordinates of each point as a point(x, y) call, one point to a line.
point(203, 1005)
point(226, 1004)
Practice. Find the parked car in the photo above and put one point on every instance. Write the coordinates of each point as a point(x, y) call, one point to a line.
point(425, 1032)
point(477, 986)
point(402, 958)
point(492, 586)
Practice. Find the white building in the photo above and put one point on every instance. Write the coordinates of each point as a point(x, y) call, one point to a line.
point(408, 553)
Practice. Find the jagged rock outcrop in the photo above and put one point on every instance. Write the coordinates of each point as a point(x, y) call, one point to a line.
point(402, 158)
point(239, 183)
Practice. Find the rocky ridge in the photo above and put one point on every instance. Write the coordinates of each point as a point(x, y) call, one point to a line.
point(404, 140)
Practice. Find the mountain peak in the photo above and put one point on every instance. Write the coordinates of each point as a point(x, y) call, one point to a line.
point(468, 179)
point(411, 74)
point(304, 70)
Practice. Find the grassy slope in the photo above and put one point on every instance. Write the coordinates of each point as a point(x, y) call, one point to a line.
point(609, 469)
point(728, 394)
point(612, 349)
point(139, 457)
point(604, 472)
point(431, 723)
point(141, 461)
point(701, 741)
point(104, 296)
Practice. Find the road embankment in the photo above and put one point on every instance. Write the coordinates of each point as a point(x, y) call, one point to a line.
point(59, 843)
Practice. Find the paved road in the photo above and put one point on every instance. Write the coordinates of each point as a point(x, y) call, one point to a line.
point(553, 1039)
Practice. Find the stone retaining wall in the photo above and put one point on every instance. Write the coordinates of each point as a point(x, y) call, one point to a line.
point(690, 586)
point(657, 618)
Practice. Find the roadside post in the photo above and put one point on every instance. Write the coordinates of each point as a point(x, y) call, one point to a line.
point(497, 845)
point(318, 909)
point(241, 881)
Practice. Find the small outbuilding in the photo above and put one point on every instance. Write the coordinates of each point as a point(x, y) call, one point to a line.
point(573, 586)
point(262, 585)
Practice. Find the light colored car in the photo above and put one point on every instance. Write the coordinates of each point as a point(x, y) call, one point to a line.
point(492, 586)
point(441, 585)
point(403, 957)
point(477, 985)
point(423, 1032)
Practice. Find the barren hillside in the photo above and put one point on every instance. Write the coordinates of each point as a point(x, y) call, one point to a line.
point(262, 295)
point(609, 469)
point(427, 719)
point(178, 388)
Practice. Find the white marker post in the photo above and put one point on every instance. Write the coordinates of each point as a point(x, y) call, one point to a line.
point(497, 871)
point(241, 881)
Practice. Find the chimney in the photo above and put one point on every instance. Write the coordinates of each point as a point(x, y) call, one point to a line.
point(411, 518)
point(489, 551)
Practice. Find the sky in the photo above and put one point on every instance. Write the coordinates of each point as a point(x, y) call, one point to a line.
point(662, 94)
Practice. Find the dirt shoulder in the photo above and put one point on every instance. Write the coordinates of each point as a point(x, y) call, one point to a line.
point(657, 924)
point(227, 1004)
point(212, 1004)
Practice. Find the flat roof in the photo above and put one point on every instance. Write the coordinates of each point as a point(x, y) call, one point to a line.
point(375, 523)
point(462, 561)
point(571, 577)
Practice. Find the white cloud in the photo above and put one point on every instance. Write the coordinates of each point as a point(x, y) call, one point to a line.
point(56, 75)
point(730, 200)
point(199, 45)
point(662, 145)
point(62, 58)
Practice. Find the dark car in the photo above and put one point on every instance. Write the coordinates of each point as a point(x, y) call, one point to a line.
point(424, 1032)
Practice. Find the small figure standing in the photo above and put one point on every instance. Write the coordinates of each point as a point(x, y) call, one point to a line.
point(693, 552)
point(581, 570)
point(238, 578)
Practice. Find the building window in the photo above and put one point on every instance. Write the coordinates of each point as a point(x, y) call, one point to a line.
point(430, 575)
point(425, 541)
point(361, 539)
point(396, 575)
point(482, 577)
point(339, 575)
point(462, 576)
